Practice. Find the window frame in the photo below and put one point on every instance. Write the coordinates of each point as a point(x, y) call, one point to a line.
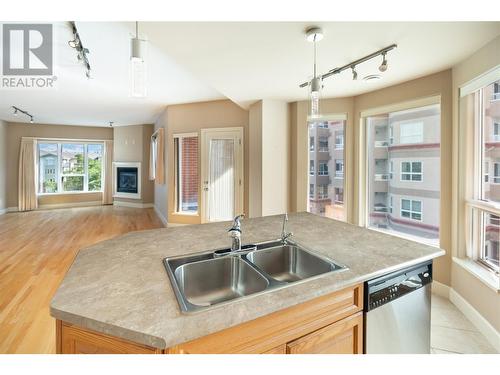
point(339, 175)
point(178, 177)
point(411, 122)
point(411, 173)
point(339, 146)
point(59, 167)
point(323, 172)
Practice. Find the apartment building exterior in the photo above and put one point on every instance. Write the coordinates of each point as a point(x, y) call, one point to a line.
point(404, 172)
point(326, 168)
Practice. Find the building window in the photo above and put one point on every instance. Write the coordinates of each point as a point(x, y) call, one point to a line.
point(411, 171)
point(323, 169)
point(390, 173)
point(186, 173)
point(411, 132)
point(391, 135)
point(496, 173)
point(339, 195)
point(69, 167)
point(323, 144)
point(496, 91)
point(339, 141)
point(411, 209)
point(323, 192)
point(311, 191)
point(486, 167)
point(328, 198)
point(339, 169)
point(311, 143)
point(496, 131)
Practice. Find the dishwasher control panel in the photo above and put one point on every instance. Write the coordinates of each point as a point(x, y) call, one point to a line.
point(396, 284)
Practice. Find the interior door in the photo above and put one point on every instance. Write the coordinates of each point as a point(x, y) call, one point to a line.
point(222, 174)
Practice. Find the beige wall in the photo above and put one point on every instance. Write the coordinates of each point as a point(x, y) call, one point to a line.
point(484, 299)
point(255, 160)
point(131, 144)
point(161, 190)
point(189, 118)
point(3, 166)
point(15, 131)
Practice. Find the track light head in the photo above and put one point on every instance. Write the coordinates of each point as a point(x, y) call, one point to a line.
point(354, 73)
point(111, 123)
point(31, 119)
point(383, 66)
point(15, 111)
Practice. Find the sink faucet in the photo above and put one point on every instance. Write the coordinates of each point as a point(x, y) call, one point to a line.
point(235, 233)
point(284, 234)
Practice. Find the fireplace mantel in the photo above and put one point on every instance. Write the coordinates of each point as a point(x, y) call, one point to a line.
point(131, 187)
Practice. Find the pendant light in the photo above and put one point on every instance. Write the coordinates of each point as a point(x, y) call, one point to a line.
point(137, 66)
point(314, 35)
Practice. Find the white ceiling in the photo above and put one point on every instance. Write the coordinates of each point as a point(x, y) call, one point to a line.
point(189, 62)
point(80, 101)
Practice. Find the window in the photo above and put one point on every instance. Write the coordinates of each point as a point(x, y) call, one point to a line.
point(323, 144)
point(339, 168)
point(411, 209)
point(411, 171)
point(339, 195)
point(323, 192)
point(186, 173)
point(496, 131)
point(496, 173)
point(311, 143)
point(391, 135)
point(323, 169)
point(483, 202)
point(396, 173)
point(329, 192)
point(411, 132)
point(311, 191)
point(69, 167)
point(339, 141)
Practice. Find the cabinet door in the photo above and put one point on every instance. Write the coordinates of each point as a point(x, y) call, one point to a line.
point(280, 349)
point(342, 337)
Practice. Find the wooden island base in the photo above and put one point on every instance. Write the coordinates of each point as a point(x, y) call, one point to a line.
point(331, 324)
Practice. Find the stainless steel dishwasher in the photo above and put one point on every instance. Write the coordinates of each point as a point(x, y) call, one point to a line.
point(398, 311)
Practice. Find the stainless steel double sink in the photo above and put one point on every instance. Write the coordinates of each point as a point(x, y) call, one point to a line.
point(206, 279)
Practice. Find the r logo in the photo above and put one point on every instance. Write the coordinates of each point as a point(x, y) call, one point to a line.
point(27, 49)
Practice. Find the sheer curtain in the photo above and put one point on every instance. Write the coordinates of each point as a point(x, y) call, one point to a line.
point(27, 199)
point(107, 195)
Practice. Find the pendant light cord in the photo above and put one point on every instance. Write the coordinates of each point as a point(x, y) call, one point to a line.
point(314, 76)
point(137, 29)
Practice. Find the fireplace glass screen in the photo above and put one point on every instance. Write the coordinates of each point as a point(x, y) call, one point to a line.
point(126, 180)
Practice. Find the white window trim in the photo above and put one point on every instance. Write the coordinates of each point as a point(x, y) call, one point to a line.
point(411, 173)
point(178, 196)
point(60, 142)
point(411, 209)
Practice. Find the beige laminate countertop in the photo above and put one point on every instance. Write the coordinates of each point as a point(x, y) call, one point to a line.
point(121, 288)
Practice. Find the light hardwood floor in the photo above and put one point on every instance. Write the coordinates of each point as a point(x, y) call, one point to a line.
point(36, 250)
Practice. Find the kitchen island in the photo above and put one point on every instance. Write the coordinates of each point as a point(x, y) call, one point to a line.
point(117, 296)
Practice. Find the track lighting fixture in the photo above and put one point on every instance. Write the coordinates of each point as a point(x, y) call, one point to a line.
point(111, 123)
point(383, 66)
point(82, 52)
point(16, 110)
point(354, 73)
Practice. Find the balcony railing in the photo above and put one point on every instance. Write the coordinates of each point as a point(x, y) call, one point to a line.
point(381, 143)
point(339, 174)
point(380, 208)
point(381, 176)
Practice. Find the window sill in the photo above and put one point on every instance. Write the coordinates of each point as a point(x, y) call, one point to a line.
point(185, 213)
point(67, 193)
point(484, 275)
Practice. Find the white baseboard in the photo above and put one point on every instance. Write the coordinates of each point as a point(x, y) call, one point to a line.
point(440, 289)
point(132, 204)
point(160, 215)
point(69, 205)
point(491, 334)
point(12, 209)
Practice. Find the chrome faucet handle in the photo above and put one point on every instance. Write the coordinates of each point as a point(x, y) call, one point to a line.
point(236, 223)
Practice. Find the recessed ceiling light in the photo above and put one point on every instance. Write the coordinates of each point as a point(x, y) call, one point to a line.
point(372, 78)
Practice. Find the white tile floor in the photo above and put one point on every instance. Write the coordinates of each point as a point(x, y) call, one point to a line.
point(452, 332)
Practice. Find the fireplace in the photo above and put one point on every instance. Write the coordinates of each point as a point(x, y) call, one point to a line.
point(127, 180)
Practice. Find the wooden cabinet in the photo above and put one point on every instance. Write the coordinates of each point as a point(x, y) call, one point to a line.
point(342, 337)
point(328, 324)
point(76, 340)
